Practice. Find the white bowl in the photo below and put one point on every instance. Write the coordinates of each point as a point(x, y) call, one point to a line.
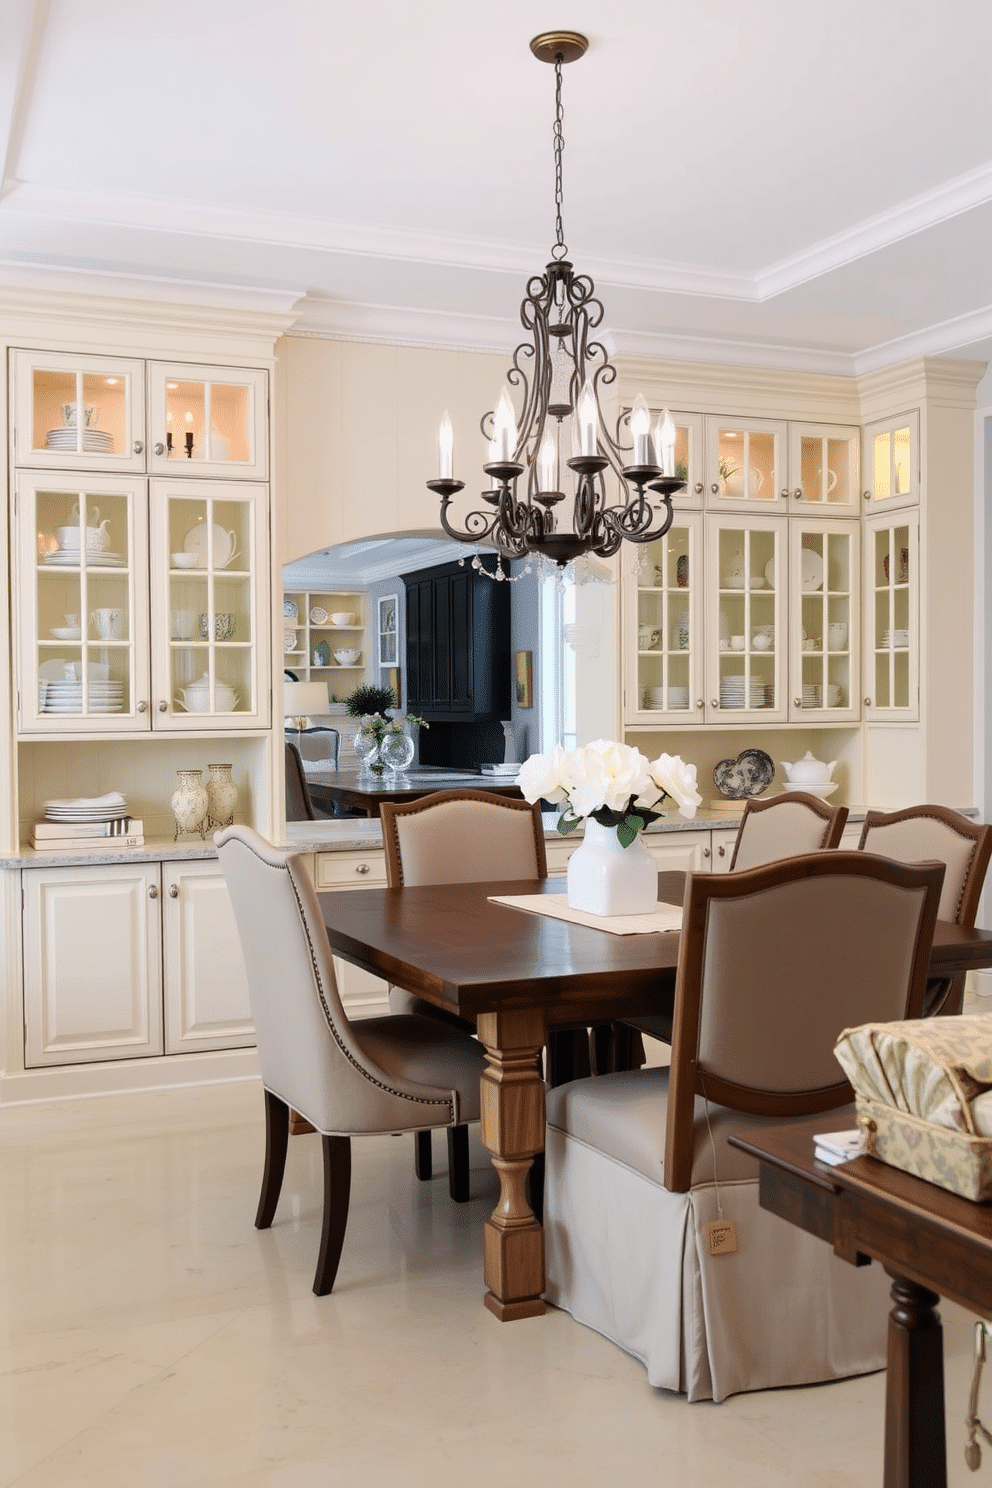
point(823, 788)
point(66, 632)
point(343, 617)
point(346, 657)
point(184, 560)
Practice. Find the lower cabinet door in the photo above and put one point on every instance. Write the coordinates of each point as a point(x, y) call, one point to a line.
point(206, 986)
point(92, 963)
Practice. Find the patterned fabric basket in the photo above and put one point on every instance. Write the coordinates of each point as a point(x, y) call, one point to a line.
point(924, 1097)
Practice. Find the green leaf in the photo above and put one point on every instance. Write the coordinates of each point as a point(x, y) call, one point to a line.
point(568, 824)
point(629, 828)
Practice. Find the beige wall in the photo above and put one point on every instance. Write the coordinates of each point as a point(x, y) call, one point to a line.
point(356, 436)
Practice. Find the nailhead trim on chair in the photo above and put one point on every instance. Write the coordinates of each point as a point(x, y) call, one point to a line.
point(418, 1100)
point(932, 816)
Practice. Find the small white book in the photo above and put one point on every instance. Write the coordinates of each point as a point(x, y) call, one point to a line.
point(838, 1147)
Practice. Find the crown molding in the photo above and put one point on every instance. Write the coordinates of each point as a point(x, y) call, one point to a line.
point(398, 325)
point(663, 346)
point(718, 387)
point(935, 340)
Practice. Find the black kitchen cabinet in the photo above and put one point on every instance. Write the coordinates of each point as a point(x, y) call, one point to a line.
point(457, 644)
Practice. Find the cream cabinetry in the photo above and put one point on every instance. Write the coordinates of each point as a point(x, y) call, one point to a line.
point(688, 851)
point(663, 626)
point(892, 461)
point(128, 960)
point(891, 633)
point(310, 637)
point(362, 994)
point(129, 591)
point(118, 413)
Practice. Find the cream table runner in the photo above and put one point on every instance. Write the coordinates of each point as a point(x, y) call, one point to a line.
point(663, 918)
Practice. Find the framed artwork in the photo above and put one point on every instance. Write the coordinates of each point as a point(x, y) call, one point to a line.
point(523, 678)
point(388, 655)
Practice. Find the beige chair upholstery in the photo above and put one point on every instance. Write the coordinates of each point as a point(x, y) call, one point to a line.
point(781, 827)
point(375, 1075)
point(935, 832)
point(773, 963)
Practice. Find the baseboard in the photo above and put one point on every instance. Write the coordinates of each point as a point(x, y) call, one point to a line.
point(118, 1077)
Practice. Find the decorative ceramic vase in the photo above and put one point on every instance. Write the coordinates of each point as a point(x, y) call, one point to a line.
point(396, 752)
point(222, 795)
point(189, 803)
point(607, 879)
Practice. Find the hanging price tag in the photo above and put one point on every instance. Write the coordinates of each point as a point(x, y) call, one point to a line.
point(721, 1237)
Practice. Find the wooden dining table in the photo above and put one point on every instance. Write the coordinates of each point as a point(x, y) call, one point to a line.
point(514, 973)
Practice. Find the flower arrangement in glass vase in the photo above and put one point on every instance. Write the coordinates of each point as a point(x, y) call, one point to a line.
point(617, 792)
point(381, 743)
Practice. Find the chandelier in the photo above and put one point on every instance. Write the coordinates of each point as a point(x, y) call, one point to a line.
point(560, 374)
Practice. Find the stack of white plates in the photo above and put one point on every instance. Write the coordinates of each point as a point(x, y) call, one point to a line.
point(67, 697)
point(678, 697)
point(69, 558)
point(735, 694)
point(110, 807)
point(894, 639)
point(95, 441)
point(811, 695)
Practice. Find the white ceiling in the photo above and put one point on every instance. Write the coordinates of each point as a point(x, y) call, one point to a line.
point(785, 182)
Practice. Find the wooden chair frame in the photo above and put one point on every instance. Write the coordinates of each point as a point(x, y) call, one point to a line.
point(834, 817)
point(389, 811)
point(687, 1079)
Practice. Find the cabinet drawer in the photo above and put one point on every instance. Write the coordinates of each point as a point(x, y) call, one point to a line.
point(351, 870)
point(558, 854)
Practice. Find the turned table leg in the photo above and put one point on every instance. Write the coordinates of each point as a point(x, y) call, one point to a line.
point(915, 1447)
point(513, 1131)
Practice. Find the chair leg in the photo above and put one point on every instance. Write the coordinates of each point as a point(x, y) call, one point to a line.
point(276, 1145)
point(337, 1193)
point(458, 1170)
point(422, 1160)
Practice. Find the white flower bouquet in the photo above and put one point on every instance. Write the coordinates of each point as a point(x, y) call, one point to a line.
point(614, 784)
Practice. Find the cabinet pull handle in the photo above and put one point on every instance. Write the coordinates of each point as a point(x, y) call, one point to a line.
point(163, 707)
point(153, 892)
point(361, 867)
point(160, 448)
point(706, 852)
point(721, 852)
point(173, 891)
point(137, 446)
point(142, 706)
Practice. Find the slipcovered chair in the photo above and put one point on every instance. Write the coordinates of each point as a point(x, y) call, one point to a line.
point(774, 962)
point(457, 836)
point(780, 827)
point(963, 846)
point(391, 1074)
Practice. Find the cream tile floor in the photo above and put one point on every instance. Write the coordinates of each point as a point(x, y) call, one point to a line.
point(149, 1335)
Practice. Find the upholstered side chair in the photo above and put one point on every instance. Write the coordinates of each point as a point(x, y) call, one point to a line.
point(781, 827)
point(457, 836)
point(390, 1074)
point(925, 832)
point(774, 962)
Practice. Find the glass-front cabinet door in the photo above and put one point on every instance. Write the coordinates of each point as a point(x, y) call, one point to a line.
point(208, 421)
point(745, 620)
point(80, 411)
point(891, 642)
point(824, 673)
point(892, 462)
point(209, 560)
point(82, 603)
point(663, 588)
point(825, 468)
point(745, 464)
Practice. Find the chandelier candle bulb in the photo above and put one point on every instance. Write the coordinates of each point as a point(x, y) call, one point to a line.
point(504, 440)
point(587, 420)
point(547, 464)
point(640, 428)
point(445, 448)
point(664, 443)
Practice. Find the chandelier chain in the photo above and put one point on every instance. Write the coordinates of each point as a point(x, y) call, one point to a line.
point(559, 250)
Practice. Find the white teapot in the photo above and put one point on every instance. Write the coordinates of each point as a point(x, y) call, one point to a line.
point(808, 771)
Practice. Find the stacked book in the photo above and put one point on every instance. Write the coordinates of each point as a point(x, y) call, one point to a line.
point(95, 822)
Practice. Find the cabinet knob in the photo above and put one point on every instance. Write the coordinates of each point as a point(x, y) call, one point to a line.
point(153, 892)
point(173, 891)
point(142, 706)
point(706, 852)
point(797, 702)
point(163, 707)
point(721, 852)
point(160, 448)
point(137, 446)
point(714, 703)
point(715, 489)
point(361, 868)
point(866, 495)
point(699, 488)
point(785, 492)
point(867, 702)
point(699, 702)
point(798, 493)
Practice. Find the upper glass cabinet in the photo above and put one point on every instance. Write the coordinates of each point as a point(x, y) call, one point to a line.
point(825, 467)
point(207, 420)
point(892, 462)
point(745, 464)
point(78, 411)
point(664, 624)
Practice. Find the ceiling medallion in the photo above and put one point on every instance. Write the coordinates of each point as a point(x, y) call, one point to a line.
point(558, 376)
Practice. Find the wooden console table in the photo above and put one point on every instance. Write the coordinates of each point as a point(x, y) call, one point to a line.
point(932, 1244)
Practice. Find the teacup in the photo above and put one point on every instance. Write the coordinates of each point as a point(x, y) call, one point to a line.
point(223, 626)
point(90, 415)
point(107, 623)
point(837, 633)
point(761, 642)
point(737, 642)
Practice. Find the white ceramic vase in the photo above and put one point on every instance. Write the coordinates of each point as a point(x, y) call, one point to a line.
point(607, 879)
point(189, 803)
point(222, 795)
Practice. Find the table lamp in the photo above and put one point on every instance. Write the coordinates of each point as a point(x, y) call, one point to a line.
point(301, 699)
